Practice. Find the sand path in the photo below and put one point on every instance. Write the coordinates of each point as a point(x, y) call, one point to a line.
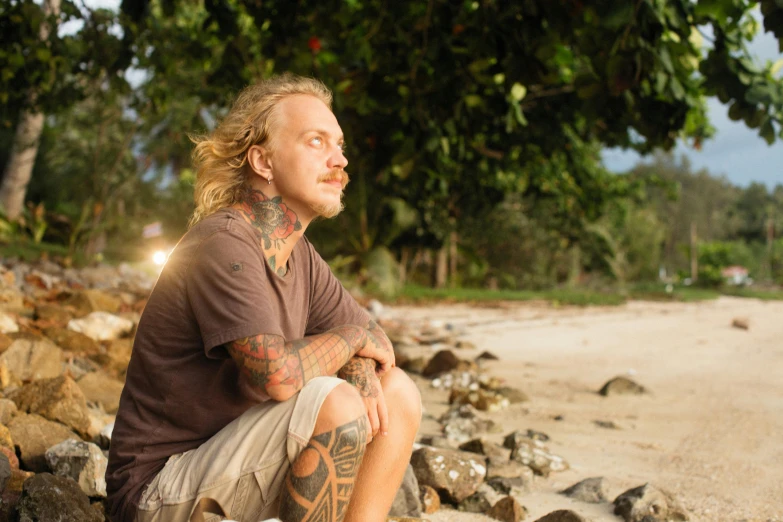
point(710, 431)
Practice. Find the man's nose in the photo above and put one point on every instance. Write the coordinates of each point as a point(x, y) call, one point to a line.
point(337, 159)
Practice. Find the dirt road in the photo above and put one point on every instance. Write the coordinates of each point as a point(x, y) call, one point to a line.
point(710, 431)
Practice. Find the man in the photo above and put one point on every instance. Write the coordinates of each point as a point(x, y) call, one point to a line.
point(257, 385)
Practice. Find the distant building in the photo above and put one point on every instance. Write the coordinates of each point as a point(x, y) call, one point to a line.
point(736, 275)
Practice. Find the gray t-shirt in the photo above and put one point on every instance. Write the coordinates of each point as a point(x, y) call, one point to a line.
point(182, 386)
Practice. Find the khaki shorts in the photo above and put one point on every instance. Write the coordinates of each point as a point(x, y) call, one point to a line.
point(243, 466)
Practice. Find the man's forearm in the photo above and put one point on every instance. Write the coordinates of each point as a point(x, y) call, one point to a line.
point(280, 369)
point(358, 372)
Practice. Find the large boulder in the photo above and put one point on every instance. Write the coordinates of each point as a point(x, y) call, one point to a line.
point(33, 435)
point(82, 461)
point(647, 503)
point(58, 399)
point(32, 359)
point(455, 474)
point(48, 497)
point(406, 502)
point(71, 341)
point(101, 389)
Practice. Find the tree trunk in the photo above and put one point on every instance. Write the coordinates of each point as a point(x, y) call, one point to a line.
point(17, 173)
point(442, 267)
point(404, 258)
point(20, 164)
point(453, 242)
point(694, 253)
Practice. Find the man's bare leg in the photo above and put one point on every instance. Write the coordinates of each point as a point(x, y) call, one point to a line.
point(387, 457)
point(319, 485)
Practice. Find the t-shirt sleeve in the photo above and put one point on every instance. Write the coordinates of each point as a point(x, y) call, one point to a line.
point(227, 285)
point(331, 305)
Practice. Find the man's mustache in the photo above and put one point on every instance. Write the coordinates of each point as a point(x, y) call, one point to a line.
point(336, 175)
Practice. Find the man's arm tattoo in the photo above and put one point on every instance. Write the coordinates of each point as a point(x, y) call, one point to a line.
point(269, 361)
point(360, 372)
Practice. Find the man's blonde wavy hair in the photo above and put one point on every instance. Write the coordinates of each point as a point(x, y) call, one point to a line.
point(220, 158)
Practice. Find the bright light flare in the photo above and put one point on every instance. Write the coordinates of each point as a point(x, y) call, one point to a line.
point(160, 257)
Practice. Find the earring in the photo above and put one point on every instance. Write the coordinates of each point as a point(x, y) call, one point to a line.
point(269, 180)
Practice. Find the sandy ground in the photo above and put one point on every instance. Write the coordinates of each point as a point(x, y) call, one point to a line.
point(710, 431)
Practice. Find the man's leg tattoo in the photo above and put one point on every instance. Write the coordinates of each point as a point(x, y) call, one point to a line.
point(319, 485)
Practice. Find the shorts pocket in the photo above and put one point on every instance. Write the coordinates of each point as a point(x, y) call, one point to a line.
point(269, 482)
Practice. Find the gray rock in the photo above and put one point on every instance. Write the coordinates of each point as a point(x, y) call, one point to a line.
point(5, 471)
point(561, 515)
point(33, 435)
point(462, 422)
point(406, 502)
point(46, 497)
point(648, 504)
point(513, 486)
point(456, 474)
point(589, 490)
point(495, 453)
point(32, 359)
point(535, 455)
point(508, 509)
point(476, 503)
point(621, 386)
point(83, 462)
point(438, 442)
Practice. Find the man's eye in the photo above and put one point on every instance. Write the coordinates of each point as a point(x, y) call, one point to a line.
point(316, 140)
point(342, 147)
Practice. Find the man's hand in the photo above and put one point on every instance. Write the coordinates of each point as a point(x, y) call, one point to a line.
point(378, 347)
point(361, 373)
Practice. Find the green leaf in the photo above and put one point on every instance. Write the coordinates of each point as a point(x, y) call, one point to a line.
point(518, 91)
point(767, 131)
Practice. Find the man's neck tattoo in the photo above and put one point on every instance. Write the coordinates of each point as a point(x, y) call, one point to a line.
point(272, 221)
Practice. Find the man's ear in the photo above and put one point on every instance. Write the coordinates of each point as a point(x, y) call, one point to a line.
point(260, 161)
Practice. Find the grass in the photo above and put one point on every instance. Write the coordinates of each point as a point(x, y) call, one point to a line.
point(28, 251)
point(581, 297)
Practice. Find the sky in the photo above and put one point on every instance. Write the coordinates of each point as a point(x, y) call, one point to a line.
point(735, 151)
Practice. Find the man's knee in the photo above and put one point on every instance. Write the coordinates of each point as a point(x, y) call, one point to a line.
point(402, 395)
point(342, 406)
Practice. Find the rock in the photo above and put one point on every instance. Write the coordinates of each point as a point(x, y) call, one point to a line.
point(52, 313)
point(102, 326)
point(6, 440)
point(476, 503)
point(415, 365)
point(648, 504)
point(621, 386)
point(9, 498)
point(507, 509)
point(8, 324)
point(11, 301)
point(10, 454)
point(607, 425)
point(438, 442)
point(430, 500)
point(30, 360)
point(47, 497)
point(743, 323)
point(514, 486)
point(561, 515)
point(483, 400)
point(589, 490)
point(513, 395)
point(465, 345)
point(441, 362)
point(85, 302)
point(33, 435)
point(518, 475)
point(104, 436)
point(71, 341)
point(5, 342)
point(406, 502)
point(82, 461)
point(461, 423)
point(58, 399)
point(487, 356)
point(5, 471)
point(403, 519)
point(101, 389)
point(516, 437)
point(456, 474)
point(533, 454)
point(119, 354)
point(8, 410)
point(494, 452)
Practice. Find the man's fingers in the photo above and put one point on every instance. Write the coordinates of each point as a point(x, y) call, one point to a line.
point(372, 415)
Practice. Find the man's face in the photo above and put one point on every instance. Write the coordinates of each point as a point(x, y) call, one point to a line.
point(307, 159)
